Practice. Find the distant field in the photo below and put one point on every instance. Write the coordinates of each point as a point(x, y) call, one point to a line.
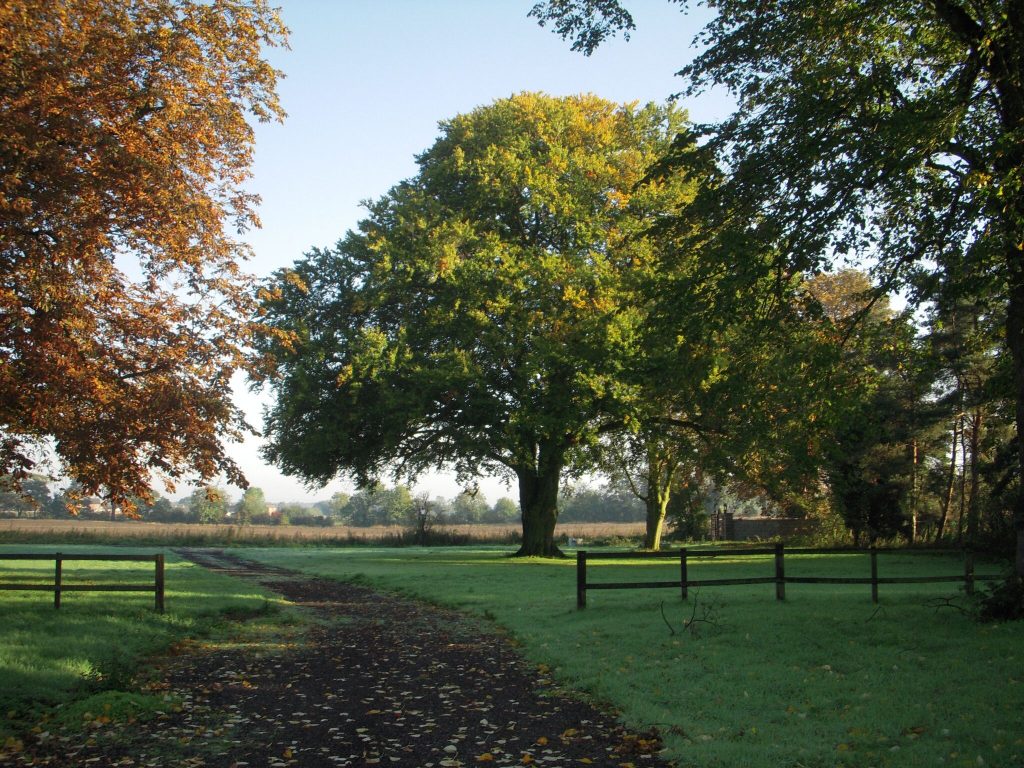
point(87, 530)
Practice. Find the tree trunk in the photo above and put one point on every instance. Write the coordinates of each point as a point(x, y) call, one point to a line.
point(1009, 81)
point(963, 482)
point(913, 491)
point(947, 501)
point(974, 500)
point(1015, 341)
point(657, 506)
point(660, 471)
point(538, 498)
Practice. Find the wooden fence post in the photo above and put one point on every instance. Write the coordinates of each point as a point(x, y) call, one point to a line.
point(160, 583)
point(58, 567)
point(874, 575)
point(683, 578)
point(969, 572)
point(581, 579)
point(780, 572)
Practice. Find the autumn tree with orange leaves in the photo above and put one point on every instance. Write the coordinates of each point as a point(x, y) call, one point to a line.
point(124, 149)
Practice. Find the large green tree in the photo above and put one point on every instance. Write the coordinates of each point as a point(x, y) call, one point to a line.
point(647, 463)
point(964, 339)
point(885, 128)
point(729, 368)
point(252, 505)
point(23, 498)
point(208, 504)
point(872, 463)
point(483, 315)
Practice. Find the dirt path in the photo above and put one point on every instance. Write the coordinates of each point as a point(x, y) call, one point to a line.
point(376, 680)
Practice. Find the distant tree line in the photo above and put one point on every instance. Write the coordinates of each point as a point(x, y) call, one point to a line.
point(378, 505)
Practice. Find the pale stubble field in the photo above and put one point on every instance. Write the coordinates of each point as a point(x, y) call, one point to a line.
point(136, 529)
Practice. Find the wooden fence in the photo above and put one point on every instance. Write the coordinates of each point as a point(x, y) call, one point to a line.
point(59, 586)
point(778, 576)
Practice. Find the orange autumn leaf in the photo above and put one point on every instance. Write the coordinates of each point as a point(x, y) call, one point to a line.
point(123, 311)
point(486, 757)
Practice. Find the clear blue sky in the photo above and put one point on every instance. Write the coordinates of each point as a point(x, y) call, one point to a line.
point(366, 83)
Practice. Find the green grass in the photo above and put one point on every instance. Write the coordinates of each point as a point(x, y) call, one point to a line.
point(823, 679)
point(83, 656)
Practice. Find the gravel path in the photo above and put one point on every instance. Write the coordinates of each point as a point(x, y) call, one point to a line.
point(376, 680)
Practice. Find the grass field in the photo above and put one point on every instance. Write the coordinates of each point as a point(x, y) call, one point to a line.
point(84, 655)
point(824, 679)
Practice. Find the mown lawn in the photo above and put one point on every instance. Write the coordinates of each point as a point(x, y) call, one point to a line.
point(824, 679)
point(83, 656)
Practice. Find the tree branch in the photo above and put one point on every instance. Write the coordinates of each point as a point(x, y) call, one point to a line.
point(959, 21)
point(671, 421)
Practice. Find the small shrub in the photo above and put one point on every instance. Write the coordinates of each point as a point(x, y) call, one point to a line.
point(112, 671)
point(430, 537)
point(1004, 601)
point(310, 519)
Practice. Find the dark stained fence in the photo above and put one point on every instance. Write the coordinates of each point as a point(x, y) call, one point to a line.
point(59, 586)
point(778, 576)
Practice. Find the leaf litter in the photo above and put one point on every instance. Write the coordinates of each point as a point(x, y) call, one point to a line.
point(381, 680)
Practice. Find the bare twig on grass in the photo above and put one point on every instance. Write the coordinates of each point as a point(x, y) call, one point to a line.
point(671, 629)
point(708, 615)
point(938, 603)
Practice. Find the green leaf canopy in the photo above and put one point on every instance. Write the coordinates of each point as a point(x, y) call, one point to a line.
point(484, 315)
point(886, 129)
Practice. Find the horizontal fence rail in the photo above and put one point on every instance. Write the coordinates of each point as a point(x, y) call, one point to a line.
point(778, 577)
point(58, 586)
